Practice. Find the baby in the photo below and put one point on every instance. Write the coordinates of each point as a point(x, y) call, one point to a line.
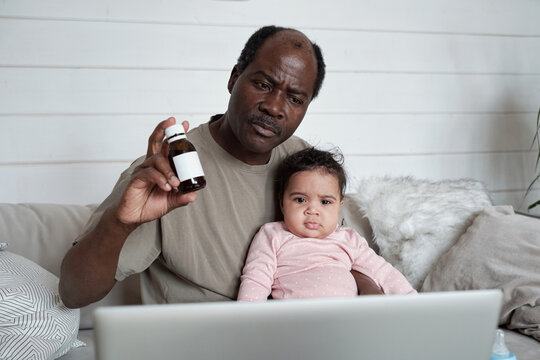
point(307, 255)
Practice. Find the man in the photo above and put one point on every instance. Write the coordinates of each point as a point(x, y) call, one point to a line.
point(196, 252)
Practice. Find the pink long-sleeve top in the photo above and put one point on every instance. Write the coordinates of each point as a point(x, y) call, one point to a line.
point(287, 266)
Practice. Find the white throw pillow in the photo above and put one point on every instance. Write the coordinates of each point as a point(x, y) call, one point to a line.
point(34, 324)
point(415, 221)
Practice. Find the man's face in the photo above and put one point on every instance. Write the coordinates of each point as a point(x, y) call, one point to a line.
point(311, 203)
point(270, 97)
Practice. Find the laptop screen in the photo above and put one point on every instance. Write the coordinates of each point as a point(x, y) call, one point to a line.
point(426, 326)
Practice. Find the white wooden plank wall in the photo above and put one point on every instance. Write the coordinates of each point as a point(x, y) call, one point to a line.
point(430, 88)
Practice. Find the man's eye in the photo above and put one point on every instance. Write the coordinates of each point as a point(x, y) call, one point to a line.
point(300, 200)
point(296, 100)
point(263, 86)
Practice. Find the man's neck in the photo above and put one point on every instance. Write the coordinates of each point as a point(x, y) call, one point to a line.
point(223, 135)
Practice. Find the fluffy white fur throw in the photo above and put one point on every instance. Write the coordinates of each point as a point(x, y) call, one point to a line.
point(415, 221)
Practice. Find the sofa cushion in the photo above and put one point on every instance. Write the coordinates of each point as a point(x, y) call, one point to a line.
point(35, 323)
point(522, 346)
point(42, 233)
point(501, 250)
point(414, 221)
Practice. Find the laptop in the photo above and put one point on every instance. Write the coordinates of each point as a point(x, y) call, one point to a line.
point(427, 326)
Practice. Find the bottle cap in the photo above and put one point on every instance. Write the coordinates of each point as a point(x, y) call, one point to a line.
point(500, 351)
point(176, 129)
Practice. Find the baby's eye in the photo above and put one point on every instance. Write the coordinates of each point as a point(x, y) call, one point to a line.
point(299, 199)
point(326, 202)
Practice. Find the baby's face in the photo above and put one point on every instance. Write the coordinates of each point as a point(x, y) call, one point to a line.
point(311, 204)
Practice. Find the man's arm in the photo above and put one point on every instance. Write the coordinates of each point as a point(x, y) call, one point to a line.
point(366, 285)
point(88, 269)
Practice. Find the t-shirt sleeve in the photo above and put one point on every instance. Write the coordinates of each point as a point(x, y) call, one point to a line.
point(142, 246)
point(261, 264)
point(366, 261)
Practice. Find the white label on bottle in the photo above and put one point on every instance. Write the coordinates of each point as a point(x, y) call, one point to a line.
point(188, 165)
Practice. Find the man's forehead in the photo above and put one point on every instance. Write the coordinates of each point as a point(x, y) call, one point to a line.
point(291, 38)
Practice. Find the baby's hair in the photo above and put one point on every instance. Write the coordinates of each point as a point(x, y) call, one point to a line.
point(308, 159)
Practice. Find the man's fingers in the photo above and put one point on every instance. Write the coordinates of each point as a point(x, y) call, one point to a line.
point(161, 163)
point(185, 124)
point(158, 170)
point(155, 141)
point(182, 199)
point(165, 149)
point(150, 175)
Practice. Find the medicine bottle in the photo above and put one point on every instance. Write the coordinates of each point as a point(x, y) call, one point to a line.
point(184, 160)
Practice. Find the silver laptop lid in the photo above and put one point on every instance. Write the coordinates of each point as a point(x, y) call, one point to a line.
point(428, 326)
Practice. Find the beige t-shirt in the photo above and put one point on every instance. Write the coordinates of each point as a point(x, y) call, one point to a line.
point(197, 252)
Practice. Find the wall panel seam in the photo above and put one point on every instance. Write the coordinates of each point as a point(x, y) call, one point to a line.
point(347, 154)
point(513, 190)
point(441, 153)
point(64, 163)
point(224, 69)
point(311, 113)
point(252, 26)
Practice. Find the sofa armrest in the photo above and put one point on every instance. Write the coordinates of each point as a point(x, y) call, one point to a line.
point(44, 233)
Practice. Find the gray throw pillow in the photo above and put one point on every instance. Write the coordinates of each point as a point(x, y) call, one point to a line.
point(500, 250)
point(34, 324)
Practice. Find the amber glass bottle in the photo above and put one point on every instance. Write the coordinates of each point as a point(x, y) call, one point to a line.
point(184, 160)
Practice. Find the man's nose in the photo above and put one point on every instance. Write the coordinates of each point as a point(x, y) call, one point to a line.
point(272, 104)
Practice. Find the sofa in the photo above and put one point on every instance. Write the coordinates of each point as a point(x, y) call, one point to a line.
point(431, 240)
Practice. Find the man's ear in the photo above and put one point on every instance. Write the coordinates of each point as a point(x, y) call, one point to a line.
point(232, 79)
